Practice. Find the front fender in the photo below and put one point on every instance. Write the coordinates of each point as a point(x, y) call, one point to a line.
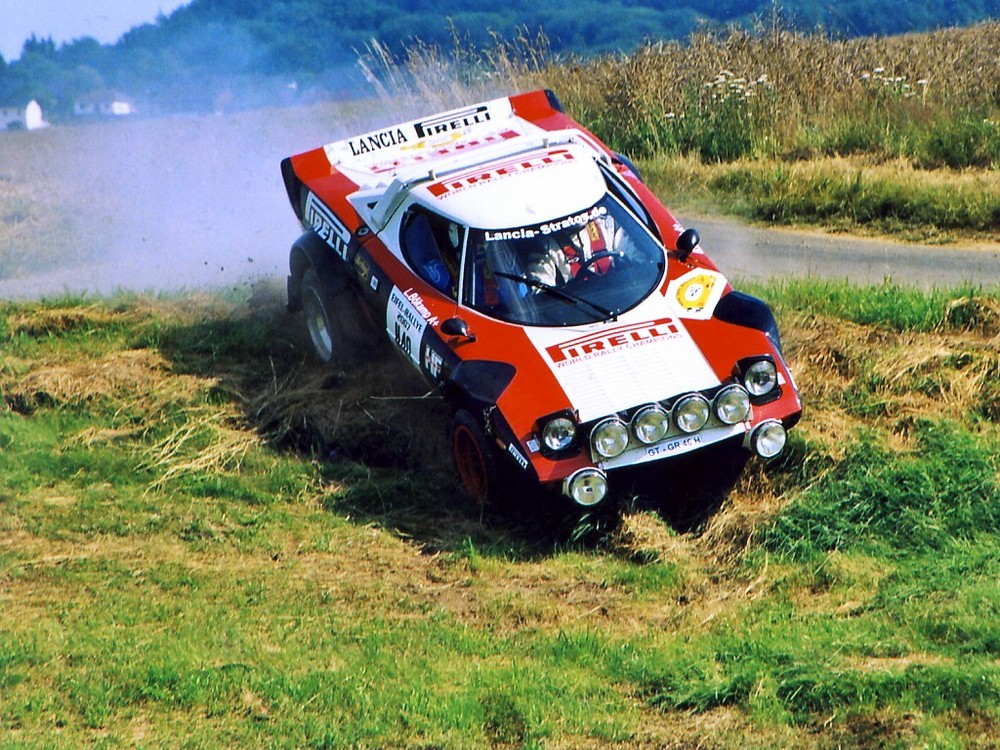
point(750, 312)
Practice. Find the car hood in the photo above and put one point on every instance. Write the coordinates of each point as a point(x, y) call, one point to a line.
point(597, 369)
point(611, 366)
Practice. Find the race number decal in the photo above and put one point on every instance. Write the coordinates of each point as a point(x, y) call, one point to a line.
point(405, 325)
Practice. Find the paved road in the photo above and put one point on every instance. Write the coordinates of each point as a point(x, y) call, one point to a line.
point(752, 253)
point(205, 207)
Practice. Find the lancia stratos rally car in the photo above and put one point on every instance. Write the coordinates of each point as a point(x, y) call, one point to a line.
point(574, 327)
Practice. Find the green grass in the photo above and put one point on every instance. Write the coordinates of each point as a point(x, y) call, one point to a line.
point(886, 305)
point(850, 194)
point(943, 492)
point(176, 572)
point(782, 195)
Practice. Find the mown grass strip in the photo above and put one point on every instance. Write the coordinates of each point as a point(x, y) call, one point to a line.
point(845, 194)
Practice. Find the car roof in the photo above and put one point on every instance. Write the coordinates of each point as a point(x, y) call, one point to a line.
point(520, 190)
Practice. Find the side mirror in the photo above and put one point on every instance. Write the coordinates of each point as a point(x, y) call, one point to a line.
point(687, 242)
point(457, 327)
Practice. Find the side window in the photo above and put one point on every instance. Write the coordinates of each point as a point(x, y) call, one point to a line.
point(432, 246)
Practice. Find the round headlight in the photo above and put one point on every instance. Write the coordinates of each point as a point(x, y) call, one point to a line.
point(650, 424)
point(732, 404)
point(558, 433)
point(761, 377)
point(768, 440)
point(610, 438)
point(586, 487)
point(691, 413)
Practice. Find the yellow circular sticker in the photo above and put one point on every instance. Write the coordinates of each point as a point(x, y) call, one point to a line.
point(694, 293)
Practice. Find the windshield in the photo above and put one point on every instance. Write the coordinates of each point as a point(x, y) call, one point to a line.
point(576, 269)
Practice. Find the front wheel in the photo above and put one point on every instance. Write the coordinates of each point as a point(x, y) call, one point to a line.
point(475, 460)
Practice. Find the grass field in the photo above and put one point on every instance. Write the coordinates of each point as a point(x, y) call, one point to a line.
point(838, 194)
point(207, 543)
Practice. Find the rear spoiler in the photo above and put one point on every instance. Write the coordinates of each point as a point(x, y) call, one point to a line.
point(377, 156)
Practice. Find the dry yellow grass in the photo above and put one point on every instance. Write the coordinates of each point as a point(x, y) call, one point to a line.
point(808, 73)
point(871, 167)
point(136, 380)
point(426, 77)
point(209, 442)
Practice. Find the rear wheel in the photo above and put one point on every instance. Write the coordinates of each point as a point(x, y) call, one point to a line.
point(475, 460)
point(338, 329)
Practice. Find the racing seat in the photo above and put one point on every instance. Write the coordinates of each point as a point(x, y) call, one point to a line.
point(424, 253)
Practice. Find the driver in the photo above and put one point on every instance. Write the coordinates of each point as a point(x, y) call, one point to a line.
point(562, 257)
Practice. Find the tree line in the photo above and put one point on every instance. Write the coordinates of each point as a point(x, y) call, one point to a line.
point(249, 52)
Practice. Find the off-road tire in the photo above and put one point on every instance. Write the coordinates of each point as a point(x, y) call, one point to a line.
point(475, 459)
point(339, 331)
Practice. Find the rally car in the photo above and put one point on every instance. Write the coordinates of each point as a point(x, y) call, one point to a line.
point(574, 327)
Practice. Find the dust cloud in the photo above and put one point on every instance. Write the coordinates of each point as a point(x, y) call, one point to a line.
point(173, 203)
point(157, 205)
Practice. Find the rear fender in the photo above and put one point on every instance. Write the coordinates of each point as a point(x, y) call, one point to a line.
point(293, 186)
point(310, 251)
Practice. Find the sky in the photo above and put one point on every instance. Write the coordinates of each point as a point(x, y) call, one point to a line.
point(66, 20)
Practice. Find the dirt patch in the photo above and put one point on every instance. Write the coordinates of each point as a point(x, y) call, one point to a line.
point(379, 414)
point(860, 731)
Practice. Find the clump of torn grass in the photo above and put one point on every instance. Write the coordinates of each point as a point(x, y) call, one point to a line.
point(133, 377)
point(208, 442)
point(378, 414)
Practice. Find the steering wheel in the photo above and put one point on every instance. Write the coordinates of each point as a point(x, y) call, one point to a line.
point(599, 255)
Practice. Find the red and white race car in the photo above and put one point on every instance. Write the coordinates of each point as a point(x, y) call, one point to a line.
point(574, 327)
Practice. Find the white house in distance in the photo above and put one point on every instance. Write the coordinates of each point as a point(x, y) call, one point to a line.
point(11, 118)
point(103, 104)
point(22, 118)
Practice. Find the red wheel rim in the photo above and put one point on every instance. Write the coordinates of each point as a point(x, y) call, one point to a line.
point(470, 462)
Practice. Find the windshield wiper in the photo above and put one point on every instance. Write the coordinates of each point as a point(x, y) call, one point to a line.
point(557, 292)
